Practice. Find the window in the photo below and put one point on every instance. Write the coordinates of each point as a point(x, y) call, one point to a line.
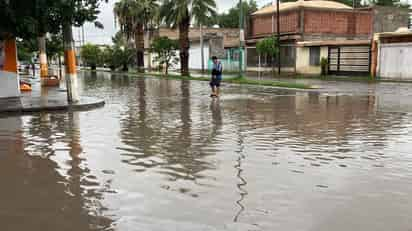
point(314, 53)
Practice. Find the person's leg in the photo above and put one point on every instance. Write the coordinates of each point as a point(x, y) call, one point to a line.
point(217, 91)
point(213, 90)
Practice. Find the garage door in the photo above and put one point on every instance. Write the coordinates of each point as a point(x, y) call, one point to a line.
point(349, 60)
point(395, 61)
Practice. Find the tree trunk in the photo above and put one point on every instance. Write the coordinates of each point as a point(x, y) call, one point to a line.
point(70, 61)
point(139, 40)
point(60, 67)
point(9, 78)
point(149, 38)
point(44, 70)
point(184, 45)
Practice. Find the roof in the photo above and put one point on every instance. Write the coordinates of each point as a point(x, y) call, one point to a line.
point(398, 33)
point(318, 4)
point(230, 35)
point(334, 43)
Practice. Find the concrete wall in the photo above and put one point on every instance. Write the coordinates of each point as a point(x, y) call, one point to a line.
point(389, 19)
point(195, 60)
point(303, 60)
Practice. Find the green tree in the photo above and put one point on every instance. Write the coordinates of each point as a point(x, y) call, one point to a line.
point(26, 49)
point(268, 47)
point(122, 57)
point(55, 47)
point(91, 55)
point(390, 3)
point(120, 39)
point(134, 16)
point(165, 50)
point(180, 13)
point(231, 19)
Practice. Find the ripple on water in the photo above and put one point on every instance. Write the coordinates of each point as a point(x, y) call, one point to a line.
point(161, 155)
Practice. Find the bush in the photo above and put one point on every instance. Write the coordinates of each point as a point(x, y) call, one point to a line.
point(324, 63)
point(165, 50)
point(91, 55)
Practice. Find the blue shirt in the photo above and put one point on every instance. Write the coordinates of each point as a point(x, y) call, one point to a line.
point(218, 68)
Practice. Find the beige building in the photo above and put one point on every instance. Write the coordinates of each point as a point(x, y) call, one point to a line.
point(312, 30)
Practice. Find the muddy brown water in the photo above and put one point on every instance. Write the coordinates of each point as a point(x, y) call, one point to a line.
point(161, 155)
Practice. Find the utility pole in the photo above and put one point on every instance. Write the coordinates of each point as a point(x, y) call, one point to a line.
point(241, 38)
point(202, 54)
point(83, 35)
point(278, 32)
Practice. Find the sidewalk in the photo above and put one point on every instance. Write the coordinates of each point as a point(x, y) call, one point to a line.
point(45, 100)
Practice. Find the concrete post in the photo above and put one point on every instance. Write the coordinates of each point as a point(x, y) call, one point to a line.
point(9, 78)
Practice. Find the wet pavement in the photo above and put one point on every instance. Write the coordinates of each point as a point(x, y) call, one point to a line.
point(161, 155)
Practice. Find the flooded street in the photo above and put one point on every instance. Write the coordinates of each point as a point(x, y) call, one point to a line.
point(161, 155)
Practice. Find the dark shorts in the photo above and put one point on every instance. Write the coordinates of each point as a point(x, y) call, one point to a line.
point(215, 82)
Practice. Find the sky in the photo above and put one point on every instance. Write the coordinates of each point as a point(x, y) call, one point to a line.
point(97, 36)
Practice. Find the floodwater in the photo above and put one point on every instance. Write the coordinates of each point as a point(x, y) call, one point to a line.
point(161, 155)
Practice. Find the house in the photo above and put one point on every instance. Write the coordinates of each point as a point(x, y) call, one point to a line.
point(392, 56)
point(220, 42)
point(312, 30)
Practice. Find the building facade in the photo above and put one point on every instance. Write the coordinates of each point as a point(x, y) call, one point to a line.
point(220, 42)
point(312, 30)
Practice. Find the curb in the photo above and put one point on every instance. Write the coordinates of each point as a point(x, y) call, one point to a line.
point(88, 104)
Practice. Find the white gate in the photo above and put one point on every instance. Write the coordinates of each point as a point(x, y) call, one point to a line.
point(395, 61)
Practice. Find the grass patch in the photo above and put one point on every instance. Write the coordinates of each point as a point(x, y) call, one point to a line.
point(238, 80)
point(234, 80)
point(242, 80)
point(349, 78)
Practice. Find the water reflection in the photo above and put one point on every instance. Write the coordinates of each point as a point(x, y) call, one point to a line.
point(160, 134)
point(242, 181)
point(37, 192)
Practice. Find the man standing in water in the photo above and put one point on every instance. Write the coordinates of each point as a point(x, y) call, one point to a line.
point(216, 77)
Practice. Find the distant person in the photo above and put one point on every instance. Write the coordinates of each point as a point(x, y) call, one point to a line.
point(216, 77)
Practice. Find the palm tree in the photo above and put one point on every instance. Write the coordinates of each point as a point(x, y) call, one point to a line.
point(133, 17)
point(180, 13)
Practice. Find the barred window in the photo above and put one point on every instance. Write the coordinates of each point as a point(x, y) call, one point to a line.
point(314, 53)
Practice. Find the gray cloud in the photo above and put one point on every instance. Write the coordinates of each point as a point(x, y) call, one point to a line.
point(94, 35)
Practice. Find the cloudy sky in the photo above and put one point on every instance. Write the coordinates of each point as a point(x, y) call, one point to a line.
point(94, 35)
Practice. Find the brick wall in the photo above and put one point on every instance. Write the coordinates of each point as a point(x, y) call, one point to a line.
point(321, 22)
point(338, 23)
point(364, 25)
point(262, 25)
